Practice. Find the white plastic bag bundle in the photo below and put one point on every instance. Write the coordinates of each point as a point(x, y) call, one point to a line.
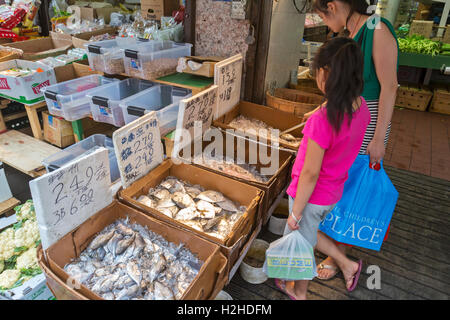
point(291, 258)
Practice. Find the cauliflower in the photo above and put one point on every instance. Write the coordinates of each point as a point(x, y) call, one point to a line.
point(28, 259)
point(27, 235)
point(7, 244)
point(26, 211)
point(2, 266)
point(8, 278)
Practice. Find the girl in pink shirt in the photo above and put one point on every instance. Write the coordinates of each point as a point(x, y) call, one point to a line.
point(331, 141)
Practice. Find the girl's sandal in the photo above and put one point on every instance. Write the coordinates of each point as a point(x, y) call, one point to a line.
point(322, 266)
point(355, 278)
point(281, 285)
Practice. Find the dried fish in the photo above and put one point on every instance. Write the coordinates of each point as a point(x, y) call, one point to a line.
point(211, 196)
point(160, 194)
point(183, 200)
point(162, 292)
point(122, 245)
point(101, 240)
point(227, 205)
point(134, 272)
point(147, 201)
point(187, 214)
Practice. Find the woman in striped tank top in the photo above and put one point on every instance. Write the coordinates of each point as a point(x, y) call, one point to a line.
point(380, 50)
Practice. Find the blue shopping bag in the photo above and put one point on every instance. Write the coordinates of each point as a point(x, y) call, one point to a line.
point(363, 214)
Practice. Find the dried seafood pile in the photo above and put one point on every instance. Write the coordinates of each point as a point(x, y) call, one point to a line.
point(126, 261)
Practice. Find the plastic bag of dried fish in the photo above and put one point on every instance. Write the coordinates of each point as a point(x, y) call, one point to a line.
point(207, 211)
point(126, 261)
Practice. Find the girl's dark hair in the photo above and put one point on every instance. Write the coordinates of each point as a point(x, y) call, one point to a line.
point(359, 6)
point(342, 60)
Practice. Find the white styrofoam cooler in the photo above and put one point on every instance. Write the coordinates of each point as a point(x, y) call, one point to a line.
point(163, 99)
point(33, 289)
point(68, 99)
point(26, 89)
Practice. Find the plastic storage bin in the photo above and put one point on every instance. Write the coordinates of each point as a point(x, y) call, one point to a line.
point(68, 99)
point(81, 148)
point(105, 100)
point(162, 99)
point(107, 55)
point(146, 61)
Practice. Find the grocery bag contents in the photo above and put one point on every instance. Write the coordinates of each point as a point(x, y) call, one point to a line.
point(229, 166)
point(290, 257)
point(208, 211)
point(248, 125)
point(126, 261)
point(17, 72)
point(18, 257)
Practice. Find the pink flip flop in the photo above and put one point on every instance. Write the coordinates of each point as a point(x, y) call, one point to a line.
point(356, 277)
point(282, 288)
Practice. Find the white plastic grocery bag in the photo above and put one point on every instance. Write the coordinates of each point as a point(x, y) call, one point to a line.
point(291, 258)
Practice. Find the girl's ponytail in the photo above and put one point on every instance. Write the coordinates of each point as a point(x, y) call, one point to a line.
point(342, 60)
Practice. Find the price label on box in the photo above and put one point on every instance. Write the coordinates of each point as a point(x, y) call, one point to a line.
point(138, 148)
point(68, 196)
point(228, 78)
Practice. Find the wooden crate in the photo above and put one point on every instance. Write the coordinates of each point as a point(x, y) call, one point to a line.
point(441, 101)
point(446, 38)
point(415, 98)
point(421, 27)
point(293, 101)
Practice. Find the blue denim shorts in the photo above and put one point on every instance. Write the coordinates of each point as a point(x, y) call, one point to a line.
point(313, 215)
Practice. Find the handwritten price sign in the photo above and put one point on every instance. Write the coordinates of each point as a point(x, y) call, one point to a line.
point(67, 197)
point(228, 77)
point(138, 148)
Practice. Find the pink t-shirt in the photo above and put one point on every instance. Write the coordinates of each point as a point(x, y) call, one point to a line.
point(341, 150)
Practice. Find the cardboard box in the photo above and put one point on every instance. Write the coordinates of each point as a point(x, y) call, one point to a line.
point(244, 194)
point(207, 68)
point(44, 47)
point(26, 89)
point(92, 14)
point(57, 131)
point(79, 40)
point(208, 282)
point(273, 187)
point(74, 70)
point(155, 9)
point(274, 118)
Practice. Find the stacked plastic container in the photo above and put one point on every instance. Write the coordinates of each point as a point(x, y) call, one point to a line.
point(162, 99)
point(153, 59)
point(68, 99)
point(105, 100)
point(81, 148)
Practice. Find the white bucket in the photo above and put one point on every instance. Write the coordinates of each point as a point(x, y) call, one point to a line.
point(279, 218)
point(251, 273)
point(222, 295)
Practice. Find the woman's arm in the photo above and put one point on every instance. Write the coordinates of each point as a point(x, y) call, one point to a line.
point(307, 180)
point(384, 55)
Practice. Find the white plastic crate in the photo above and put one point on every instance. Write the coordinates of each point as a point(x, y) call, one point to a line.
point(25, 89)
point(105, 101)
point(154, 59)
point(163, 99)
point(68, 99)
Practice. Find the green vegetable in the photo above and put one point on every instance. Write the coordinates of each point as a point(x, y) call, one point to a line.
point(11, 262)
point(445, 47)
point(30, 272)
point(20, 249)
point(18, 224)
point(37, 243)
point(419, 44)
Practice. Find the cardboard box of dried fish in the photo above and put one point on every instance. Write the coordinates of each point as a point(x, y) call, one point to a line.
point(248, 117)
point(213, 206)
point(234, 163)
point(123, 254)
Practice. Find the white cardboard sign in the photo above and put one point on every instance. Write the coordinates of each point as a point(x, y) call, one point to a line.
point(68, 196)
point(138, 148)
point(228, 77)
point(197, 108)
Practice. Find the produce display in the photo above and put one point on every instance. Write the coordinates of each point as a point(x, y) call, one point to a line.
point(17, 72)
point(18, 243)
point(126, 261)
point(254, 125)
point(419, 44)
point(208, 211)
point(228, 166)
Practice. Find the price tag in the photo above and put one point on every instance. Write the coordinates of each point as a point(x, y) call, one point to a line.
point(228, 77)
point(198, 110)
point(68, 196)
point(138, 148)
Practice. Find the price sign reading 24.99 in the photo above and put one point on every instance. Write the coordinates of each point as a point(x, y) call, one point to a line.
point(138, 148)
point(68, 196)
